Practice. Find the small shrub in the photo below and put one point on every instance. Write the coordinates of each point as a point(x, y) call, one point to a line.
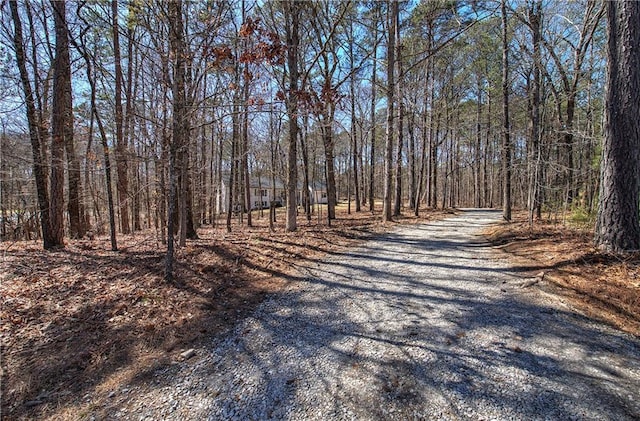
point(582, 217)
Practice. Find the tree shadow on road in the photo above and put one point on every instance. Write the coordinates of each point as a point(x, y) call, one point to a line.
point(434, 339)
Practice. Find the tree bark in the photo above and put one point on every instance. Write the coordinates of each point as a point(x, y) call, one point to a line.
point(397, 203)
point(506, 141)
point(478, 145)
point(292, 14)
point(327, 139)
point(60, 117)
point(618, 220)
point(49, 239)
point(176, 41)
point(372, 154)
point(305, 168)
point(354, 138)
point(389, 138)
point(535, 17)
point(423, 152)
point(235, 130)
point(432, 182)
point(413, 176)
point(121, 143)
point(62, 82)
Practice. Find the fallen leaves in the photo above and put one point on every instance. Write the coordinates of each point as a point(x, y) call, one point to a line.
point(601, 285)
point(80, 321)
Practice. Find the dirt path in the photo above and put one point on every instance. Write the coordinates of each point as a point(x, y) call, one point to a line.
point(427, 322)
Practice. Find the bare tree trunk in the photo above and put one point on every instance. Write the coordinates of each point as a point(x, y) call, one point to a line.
point(372, 155)
point(423, 156)
point(327, 139)
point(618, 221)
point(121, 142)
point(162, 202)
point(61, 88)
point(65, 113)
point(272, 150)
point(388, 161)
point(354, 138)
point(190, 229)
point(305, 165)
point(435, 144)
point(477, 146)
point(534, 176)
point(89, 66)
point(129, 114)
point(412, 160)
point(506, 141)
point(176, 41)
point(485, 170)
point(218, 174)
point(107, 167)
point(234, 162)
point(245, 145)
point(397, 205)
point(292, 16)
point(49, 239)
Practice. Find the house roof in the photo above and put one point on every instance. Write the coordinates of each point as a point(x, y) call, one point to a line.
point(265, 183)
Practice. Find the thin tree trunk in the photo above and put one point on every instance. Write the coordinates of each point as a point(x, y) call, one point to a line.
point(534, 185)
point(272, 150)
point(387, 211)
point(372, 151)
point(397, 205)
point(478, 146)
point(89, 66)
point(245, 146)
point(354, 137)
point(234, 162)
point(190, 229)
point(435, 144)
point(121, 142)
point(485, 170)
point(327, 138)
point(129, 114)
point(423, 157)
point(506, 141)
point(292, 14)
point(107, 167)
point(412, 160)
point(305, 167)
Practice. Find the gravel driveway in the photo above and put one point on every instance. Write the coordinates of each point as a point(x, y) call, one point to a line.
point(427, 322)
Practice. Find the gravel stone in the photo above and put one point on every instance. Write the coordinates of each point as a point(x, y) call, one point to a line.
point(426, 322)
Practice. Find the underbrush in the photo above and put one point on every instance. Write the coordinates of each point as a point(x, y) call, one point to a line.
point(599, 284)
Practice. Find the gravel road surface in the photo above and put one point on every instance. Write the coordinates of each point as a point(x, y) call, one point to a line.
point(427, 322)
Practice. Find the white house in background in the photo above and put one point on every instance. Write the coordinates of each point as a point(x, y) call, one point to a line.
point(318, 194)
point(262, 193)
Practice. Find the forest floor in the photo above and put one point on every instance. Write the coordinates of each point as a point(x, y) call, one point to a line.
point(600, 285)
point(80, 322)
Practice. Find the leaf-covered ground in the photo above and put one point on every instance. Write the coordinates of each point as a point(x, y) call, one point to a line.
point(77, 323)
point(598, 284)
point(80, 322)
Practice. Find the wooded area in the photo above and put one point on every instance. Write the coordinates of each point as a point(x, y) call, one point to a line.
point(165, 165)
point(137, 115)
